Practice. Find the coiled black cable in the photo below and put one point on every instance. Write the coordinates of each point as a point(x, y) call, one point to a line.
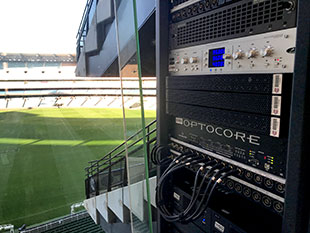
point(179, 162)
point(219, 180)
point(194, 200)
point(198, 201)
point(180, 216)
point(155, 153)
point(159, 194)
point(196, 212)
point(170, 217)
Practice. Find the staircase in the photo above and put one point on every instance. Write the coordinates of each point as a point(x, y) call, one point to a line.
point(111, 195)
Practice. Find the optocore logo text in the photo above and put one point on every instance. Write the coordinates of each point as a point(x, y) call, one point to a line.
point(220, 131)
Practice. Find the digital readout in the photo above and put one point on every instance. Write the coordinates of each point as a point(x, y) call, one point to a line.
point(216, 57)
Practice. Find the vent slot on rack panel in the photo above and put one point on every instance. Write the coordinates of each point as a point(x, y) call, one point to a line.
point(232, 21)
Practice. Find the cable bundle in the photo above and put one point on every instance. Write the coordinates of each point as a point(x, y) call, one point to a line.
point(197, 205)
point(155, 155)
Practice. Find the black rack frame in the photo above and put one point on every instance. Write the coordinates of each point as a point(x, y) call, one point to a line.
point(296, 209)
point(296, 217)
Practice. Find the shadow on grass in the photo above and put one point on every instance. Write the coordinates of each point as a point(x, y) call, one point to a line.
point(14, 124)
point(42, 161)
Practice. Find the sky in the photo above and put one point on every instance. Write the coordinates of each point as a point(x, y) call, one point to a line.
point(39, 26)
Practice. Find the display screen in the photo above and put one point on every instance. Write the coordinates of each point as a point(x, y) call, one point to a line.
point(216, 57)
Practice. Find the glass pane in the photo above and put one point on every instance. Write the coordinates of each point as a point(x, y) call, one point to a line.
point(47, 141)
point(135, 117)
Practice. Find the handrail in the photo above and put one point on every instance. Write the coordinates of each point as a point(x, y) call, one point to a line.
point(84, 17)
point(116, 148)
point(111, 164)
point(120, 159)
point(82, 20)
point(95, 166)
point(101, 171)
point(81, 29)
point(121, 145)
point(82, 26)
point(131, 145)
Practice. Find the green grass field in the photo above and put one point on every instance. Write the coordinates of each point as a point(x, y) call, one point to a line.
point(43, 153)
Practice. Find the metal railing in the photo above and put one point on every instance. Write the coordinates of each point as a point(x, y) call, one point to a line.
point(111, 171)
point(83, 27)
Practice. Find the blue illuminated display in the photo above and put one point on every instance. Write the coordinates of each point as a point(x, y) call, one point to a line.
point(216, 57)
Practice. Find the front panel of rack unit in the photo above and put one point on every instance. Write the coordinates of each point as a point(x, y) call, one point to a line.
point(265, 53)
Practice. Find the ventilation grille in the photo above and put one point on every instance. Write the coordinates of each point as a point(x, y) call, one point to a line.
point(242, 83)
point(238, 120)
point(198, 8)
point(251, 103)
point(228, 22)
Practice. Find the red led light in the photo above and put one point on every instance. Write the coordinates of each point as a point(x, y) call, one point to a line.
point(265, 157)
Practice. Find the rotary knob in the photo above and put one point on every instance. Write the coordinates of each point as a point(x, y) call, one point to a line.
point(238, 54)
point(227, 56)
point(184, 60)
point(252, 53)
point(193, 59)
point(267, 51)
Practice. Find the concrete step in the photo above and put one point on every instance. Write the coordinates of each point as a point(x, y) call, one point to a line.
point(114, 206)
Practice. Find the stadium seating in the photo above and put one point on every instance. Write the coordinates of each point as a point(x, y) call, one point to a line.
point(76, 223)
point(16, 64)
point(84, 225)
point(17, 93)
point(35, 64)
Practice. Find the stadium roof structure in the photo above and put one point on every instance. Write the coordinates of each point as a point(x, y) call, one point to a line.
point(37, 57)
